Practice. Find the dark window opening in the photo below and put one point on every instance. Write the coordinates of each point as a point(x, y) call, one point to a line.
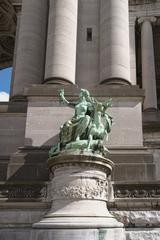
point(138, 54)
point(156, 38)
point(89, 34)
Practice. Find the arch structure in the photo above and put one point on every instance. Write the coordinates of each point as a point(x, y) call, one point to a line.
point(8, 22)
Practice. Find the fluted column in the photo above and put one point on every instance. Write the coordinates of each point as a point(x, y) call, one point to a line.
point(30, 54)
point(61, 43)
point(114, 42)
point(148, 63)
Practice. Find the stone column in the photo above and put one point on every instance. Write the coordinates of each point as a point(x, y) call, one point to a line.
point(62, 41)
point(132, 50)
point(148, 63)
point(114, 42)
point(29, 64)
point(15, 49)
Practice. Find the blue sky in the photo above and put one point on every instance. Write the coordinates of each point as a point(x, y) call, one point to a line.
point(5, 79)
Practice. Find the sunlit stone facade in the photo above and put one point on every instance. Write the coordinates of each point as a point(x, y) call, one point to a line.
point(111, 48)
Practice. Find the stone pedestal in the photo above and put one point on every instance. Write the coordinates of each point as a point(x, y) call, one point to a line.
point(79, 192)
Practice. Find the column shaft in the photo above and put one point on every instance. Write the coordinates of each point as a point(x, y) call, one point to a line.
point(148, 65)
point(15, 51)
point(62, 42)
point(114, 42)
point(30, 54)
point(132, 52)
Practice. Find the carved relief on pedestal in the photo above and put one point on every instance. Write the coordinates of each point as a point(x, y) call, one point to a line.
point(88, 189)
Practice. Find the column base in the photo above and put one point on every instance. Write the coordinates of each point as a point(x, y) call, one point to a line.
point(78, 223)
point(57, 81)
point(18, 98)
point(150, 109)
point(116, 81)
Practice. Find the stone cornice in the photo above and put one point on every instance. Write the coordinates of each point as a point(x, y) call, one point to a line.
point(73, 91)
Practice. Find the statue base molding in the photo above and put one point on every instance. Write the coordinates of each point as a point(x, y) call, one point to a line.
point(79, 234)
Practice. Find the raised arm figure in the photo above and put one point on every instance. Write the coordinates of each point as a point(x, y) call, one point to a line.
point(88, 127)
point(76, 128)
point(63, 99)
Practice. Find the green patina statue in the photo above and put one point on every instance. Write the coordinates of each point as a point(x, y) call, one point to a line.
point(88, 129)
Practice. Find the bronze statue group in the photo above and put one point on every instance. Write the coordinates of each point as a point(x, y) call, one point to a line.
point(88, 129)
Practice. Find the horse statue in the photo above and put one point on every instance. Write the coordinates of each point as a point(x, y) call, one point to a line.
point(101, 125)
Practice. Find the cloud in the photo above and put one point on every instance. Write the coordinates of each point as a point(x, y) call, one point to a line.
point(4, 97)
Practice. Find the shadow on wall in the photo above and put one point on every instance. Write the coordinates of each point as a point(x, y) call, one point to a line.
point(30, 163)
point(27, 173)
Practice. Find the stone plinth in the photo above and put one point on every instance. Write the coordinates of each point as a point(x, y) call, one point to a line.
point(79, 192)
point(42, 124)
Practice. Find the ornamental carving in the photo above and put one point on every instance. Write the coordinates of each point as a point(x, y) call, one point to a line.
point(23, 191)
point(143, 192)
point(97, 190)
point(141, 2)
